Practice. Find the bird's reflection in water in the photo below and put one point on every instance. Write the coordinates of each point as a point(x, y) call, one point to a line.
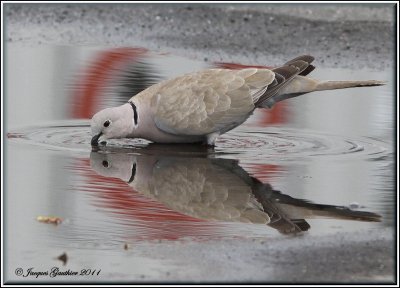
point(189, 180)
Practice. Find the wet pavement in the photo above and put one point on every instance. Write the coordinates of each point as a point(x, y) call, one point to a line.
point(311, 167)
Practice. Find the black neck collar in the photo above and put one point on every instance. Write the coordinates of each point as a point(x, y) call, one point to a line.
point(132, 174)
point(135, 114)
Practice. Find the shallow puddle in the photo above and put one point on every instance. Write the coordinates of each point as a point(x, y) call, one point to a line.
point(319, 163)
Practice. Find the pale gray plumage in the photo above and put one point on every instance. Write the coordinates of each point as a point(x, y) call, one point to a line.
point(208, 101)
point(200, 106)
point(213, 189)
point(195, 187)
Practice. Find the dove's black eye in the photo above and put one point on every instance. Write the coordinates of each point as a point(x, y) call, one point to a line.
point(105, 164)
point(107, 123)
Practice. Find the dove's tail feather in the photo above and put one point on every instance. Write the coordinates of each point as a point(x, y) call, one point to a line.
point(301, 85)
point(290, 81)
point(331, 85)
point(303, 208)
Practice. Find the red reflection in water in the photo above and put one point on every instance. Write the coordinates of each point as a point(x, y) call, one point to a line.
point(264, 172)
point(95, 78)
point(118, 198)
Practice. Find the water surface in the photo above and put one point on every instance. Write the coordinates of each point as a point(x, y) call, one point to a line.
point(317, 164)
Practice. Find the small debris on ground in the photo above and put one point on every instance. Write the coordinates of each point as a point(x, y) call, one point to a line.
point(63, 258)
point(49, 220)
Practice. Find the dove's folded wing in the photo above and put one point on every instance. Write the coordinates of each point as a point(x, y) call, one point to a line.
point(208, 101)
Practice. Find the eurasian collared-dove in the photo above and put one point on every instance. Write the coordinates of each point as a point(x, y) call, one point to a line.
point(200, 106)
point(213, 189)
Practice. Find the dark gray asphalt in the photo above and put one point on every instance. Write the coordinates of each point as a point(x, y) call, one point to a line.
point(345, 36)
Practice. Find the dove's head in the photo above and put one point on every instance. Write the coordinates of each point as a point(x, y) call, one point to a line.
point(112, 123)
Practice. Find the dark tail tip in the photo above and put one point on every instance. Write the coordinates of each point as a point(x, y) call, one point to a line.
point(305, 58)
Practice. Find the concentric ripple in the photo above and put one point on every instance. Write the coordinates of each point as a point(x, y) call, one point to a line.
point(293, 144)
point(283, 144)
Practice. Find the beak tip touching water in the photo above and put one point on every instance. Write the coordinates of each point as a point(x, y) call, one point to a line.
point(95, 140)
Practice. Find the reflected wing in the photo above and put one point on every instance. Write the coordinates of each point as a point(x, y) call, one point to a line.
point(208, 101)
point(201, 189)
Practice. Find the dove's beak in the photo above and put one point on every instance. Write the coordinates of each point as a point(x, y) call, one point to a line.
point(95, 139)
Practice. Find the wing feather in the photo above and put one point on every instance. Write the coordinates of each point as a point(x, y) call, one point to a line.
point(208, 101)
